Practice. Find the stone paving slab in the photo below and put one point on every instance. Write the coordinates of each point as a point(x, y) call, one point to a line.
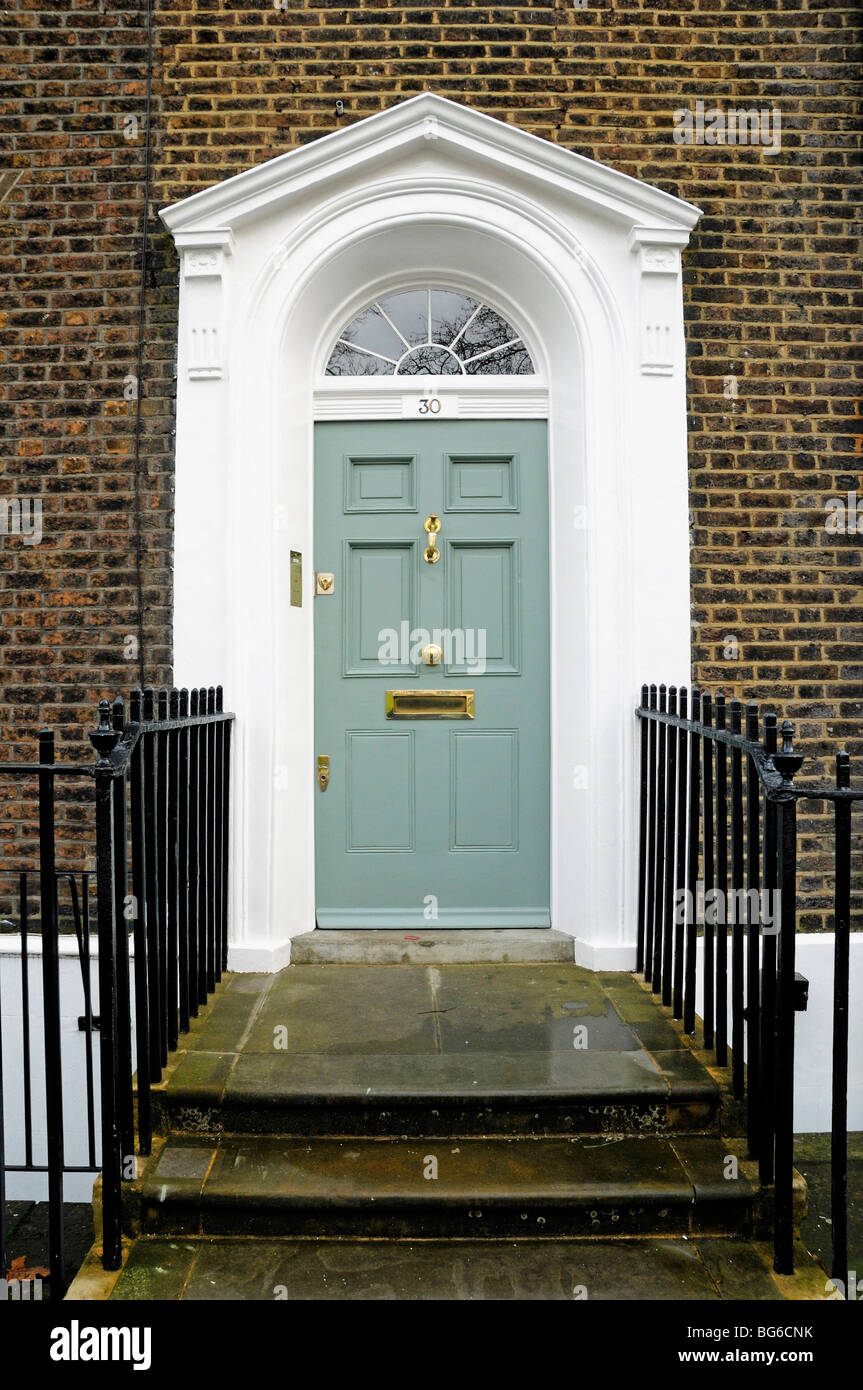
point(360, 1009)
point(354, 1009)
point(480, 1075)
point(265, 1270)
point(812, 1158)
point(27, 1226)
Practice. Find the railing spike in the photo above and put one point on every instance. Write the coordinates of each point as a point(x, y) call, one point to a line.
point(770, 733)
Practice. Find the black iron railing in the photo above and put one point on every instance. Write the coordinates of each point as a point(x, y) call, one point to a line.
point(718, 860)
point(162, 797)
point(34, 1057)
point(161, 792)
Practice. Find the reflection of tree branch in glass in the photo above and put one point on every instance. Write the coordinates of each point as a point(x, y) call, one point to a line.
point(429, 332)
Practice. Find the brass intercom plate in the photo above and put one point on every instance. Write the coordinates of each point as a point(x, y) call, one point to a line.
point(296, 579)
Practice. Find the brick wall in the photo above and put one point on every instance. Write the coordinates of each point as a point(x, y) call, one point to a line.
point(771, 291)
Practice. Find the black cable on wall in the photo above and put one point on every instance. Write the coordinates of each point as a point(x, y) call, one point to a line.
point(139, 370)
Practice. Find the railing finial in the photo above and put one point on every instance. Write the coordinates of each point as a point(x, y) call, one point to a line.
point(786, 761)
point(105, 738)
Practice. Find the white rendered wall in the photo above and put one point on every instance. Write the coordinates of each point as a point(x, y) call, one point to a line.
point(813, 1055)
point(78, 1187)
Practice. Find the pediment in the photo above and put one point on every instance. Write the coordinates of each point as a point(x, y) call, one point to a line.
point(454, 133)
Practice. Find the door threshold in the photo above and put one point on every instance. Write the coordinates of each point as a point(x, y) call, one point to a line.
point(401, 919)
point(464, 946)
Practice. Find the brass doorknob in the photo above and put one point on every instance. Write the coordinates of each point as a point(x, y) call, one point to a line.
point(431, 655)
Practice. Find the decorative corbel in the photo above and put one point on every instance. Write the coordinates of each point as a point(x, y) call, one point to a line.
point(658, 250)
point(202, 269)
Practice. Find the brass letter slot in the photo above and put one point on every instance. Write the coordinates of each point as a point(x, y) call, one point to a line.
point(429, 704)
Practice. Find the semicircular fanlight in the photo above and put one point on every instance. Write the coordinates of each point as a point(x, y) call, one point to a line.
point(429, 332)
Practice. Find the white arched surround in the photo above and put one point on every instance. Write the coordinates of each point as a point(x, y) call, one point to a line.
point(586, 264)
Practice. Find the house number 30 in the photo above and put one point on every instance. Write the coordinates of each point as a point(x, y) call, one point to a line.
point(429, 405)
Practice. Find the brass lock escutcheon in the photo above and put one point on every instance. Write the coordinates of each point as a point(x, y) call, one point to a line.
point(323, 772)
point(325, 583)
point(431, 655)
point(431, 526)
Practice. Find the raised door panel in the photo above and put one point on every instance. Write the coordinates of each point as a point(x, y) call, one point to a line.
point(481, 482)
point(483, 604)
point(380, 792)
point(380, 483)
point(379, 596)
point(484, 790)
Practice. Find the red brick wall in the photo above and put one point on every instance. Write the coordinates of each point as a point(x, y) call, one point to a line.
point(772, 292)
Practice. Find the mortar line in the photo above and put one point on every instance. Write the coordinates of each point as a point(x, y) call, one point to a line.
point(262, 999)
point(433, 986)
point(189, 1274)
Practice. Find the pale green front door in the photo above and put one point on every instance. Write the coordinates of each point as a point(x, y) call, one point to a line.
point(432, 821)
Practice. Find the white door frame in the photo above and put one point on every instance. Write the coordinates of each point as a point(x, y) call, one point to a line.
point(586, 263)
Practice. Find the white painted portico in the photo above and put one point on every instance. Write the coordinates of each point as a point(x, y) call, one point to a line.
point(585, 262)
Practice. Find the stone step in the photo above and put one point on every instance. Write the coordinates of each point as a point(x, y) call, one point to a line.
point(480, 1093)
point(431, 947)
point(428, 1187)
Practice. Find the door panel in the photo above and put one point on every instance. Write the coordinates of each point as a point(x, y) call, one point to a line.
point(483, 598)
point(432, 822)
point(380, 792)
point(484, 790)
point(477, 483)
point(379, 579)
point(377, 483)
